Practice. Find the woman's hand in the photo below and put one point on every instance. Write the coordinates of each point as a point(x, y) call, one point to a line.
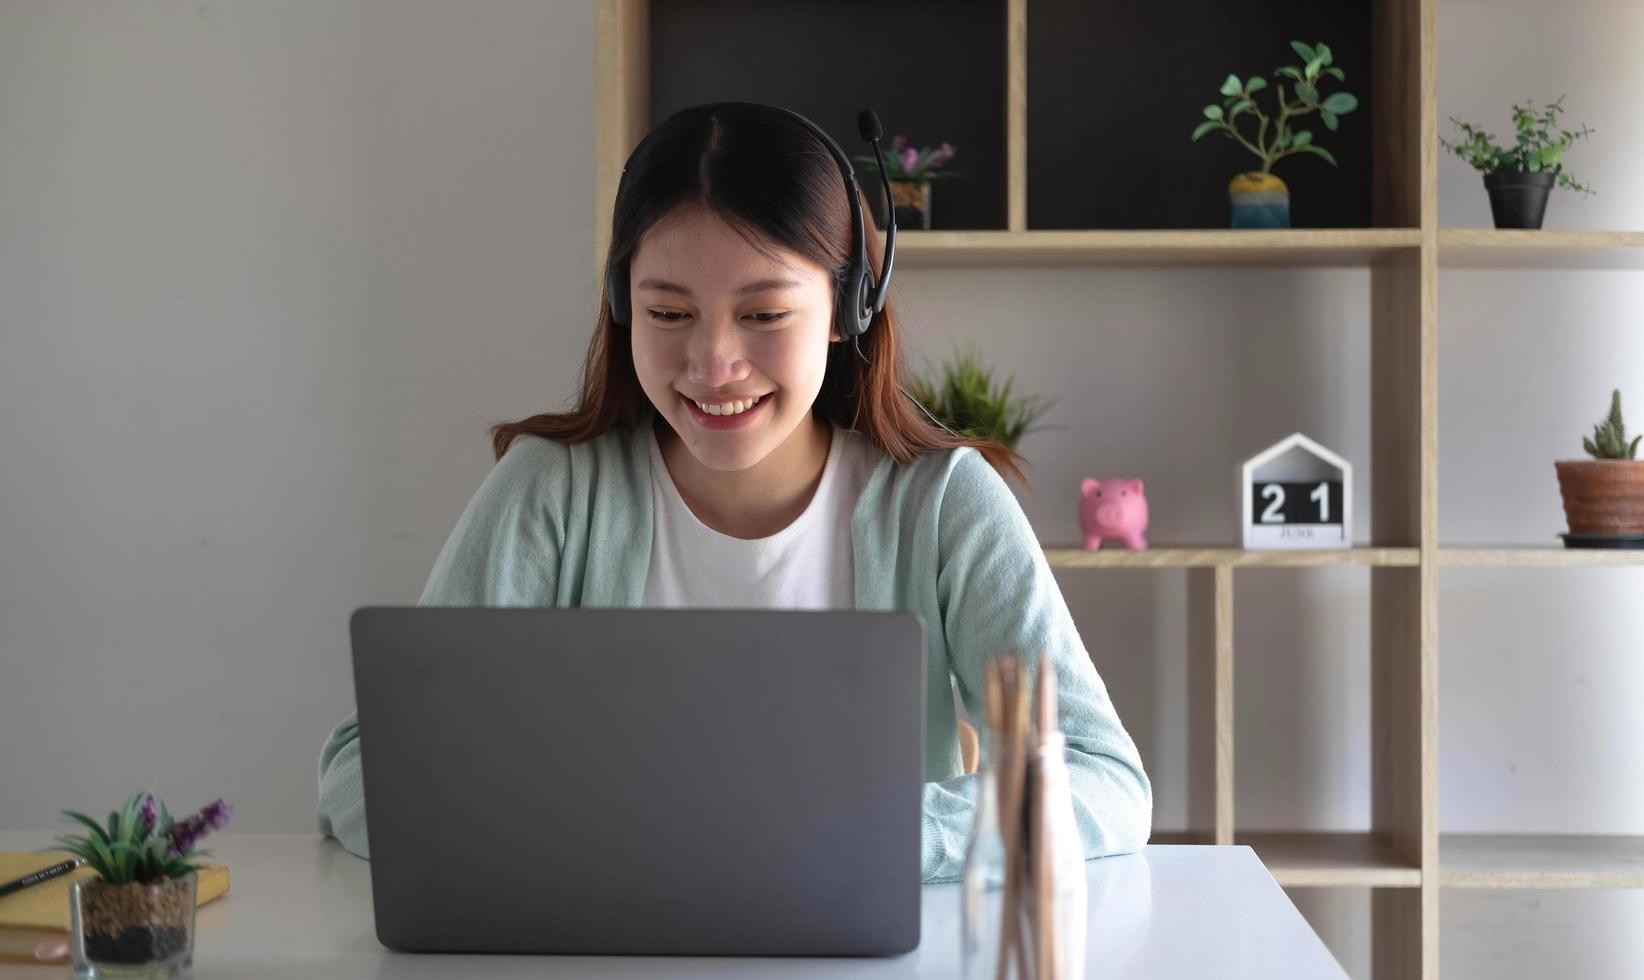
point(970, 747)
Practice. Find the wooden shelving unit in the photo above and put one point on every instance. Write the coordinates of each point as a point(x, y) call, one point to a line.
point(1308, 247)
point(1400, 857)
point(1540, 861)
point(1332, 860)
point(1213, 557)
point(1318, 859)
point(1526, 557)
point(1490, 248)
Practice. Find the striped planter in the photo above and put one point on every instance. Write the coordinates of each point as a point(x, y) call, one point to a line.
point(1259, 201)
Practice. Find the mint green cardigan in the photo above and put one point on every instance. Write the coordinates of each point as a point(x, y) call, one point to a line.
point(943, 536)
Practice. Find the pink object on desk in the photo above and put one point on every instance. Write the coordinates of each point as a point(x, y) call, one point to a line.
point(1113, 509)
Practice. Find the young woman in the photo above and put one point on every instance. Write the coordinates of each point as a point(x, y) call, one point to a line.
point(731, 446)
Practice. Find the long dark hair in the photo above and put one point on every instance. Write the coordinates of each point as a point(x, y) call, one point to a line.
point(767, 177)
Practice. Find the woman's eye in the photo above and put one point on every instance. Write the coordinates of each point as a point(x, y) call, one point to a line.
point(674, 316)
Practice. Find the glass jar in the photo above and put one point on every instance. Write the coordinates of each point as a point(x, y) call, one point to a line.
point(982, 898)
point(983, 894)
point(1066, 861)
point(138, 929)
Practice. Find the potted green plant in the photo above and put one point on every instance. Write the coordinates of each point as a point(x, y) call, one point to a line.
point(1518, 179)
point(136, 918)
point(1604, 496)
point(1260, 199)
point(966, 399)
point(910, 170)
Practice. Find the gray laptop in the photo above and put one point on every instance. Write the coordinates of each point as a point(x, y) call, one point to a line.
point(642, 781)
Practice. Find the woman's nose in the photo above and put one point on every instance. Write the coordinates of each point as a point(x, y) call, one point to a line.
point(715, 353)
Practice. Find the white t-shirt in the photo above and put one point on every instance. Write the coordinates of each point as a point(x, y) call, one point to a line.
point(806, 565)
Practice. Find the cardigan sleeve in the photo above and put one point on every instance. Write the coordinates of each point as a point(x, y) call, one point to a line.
point(996, 594)
point(503, 551)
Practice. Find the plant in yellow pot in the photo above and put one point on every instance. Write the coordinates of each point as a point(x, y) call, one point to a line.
point(1604, 496)
point(1260, 199)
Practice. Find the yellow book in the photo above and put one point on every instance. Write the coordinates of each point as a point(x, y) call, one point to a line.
point(41, 912)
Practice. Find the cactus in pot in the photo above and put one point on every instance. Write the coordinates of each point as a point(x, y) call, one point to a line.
point(1604, 496)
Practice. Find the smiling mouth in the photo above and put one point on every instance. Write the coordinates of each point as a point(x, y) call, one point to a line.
point(730, 409)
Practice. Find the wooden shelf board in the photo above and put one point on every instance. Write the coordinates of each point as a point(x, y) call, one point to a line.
point(1322, 860)
point(1182, 837)
point(1540, 861)
point(1491, 248)
point(1538, 557)
point(1329, 247)
point(1210, 557)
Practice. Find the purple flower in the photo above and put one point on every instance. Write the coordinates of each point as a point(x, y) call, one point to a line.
point(940, 156)
point(898, 141)
point(146, 815)
point(910, 157)
point(216, 814)
point(184, 833)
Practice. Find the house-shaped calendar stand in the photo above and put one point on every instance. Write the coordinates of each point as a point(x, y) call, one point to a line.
point(1296, 494)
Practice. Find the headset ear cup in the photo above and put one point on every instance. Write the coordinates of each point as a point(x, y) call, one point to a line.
point(844, 321)
point(616, 293)
point(865, 312)
point(849, 305)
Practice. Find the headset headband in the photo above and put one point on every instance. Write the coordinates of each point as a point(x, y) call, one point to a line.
point(859, 298)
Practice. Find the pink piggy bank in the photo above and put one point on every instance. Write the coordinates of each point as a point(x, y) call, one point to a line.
point(1113, 509)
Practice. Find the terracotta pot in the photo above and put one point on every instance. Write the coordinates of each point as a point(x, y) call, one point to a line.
point(1602, 496)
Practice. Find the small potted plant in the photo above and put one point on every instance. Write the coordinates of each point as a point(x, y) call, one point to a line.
point(1260, 199)
point(910, 171)
point(966, 399)
point(1604, 496)
point(1520, 178)
point(136, 919)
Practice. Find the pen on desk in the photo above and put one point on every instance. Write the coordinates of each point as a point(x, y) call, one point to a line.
point(44, 874)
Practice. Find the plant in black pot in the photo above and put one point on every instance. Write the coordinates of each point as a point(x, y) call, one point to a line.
point(1604, 496)
point(1519, 178)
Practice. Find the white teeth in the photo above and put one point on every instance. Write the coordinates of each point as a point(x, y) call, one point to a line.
point(729, 408)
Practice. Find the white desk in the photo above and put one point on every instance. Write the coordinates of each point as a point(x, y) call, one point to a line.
point(300, 906)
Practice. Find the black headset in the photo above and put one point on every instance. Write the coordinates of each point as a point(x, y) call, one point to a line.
point(859, 298)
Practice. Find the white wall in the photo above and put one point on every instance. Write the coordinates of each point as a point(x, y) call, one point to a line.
point(269, 269)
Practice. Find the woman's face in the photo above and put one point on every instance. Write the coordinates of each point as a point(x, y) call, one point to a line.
point(717, 324)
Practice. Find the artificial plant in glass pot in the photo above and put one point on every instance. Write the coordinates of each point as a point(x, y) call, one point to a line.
point(1519, 178)
point(1604, 496)
point(136, 919)
point(910, 170)
point(1260, 199)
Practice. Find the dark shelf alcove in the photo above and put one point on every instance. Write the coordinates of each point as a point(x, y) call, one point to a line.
point(1115, 89)
point(934, 71)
